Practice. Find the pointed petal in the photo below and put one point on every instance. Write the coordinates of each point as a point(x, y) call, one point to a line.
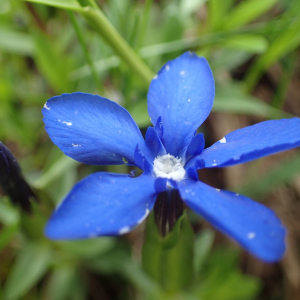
point(142, 162)
point(252, 142)
point(103, 204)
point(253, 225)
point(182, 95)
point(92, 129)
point(154, 143)
point(194, 148)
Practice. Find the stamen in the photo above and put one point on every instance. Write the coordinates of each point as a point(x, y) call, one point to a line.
point(168, 166)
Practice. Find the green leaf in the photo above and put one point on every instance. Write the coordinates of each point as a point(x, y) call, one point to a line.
point(52, 63)
point(232, 99)
point(188, 7)
point(286, 41)
point(87, 249)
point(222, 280)
point(133, 272)
point(283, 173)
point(31, 265)
point(6, 234)
point(9, 214)
point(247, 42)
point(66, 283)
point(103, 26)
point(217, 11)
point(16, 42)
point(139, 113)
point(56, 170)
point(246, 11)
point(169, 260)
point(66, 4)
point(203, 245)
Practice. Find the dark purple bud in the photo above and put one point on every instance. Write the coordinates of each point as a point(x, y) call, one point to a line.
point(12, 181)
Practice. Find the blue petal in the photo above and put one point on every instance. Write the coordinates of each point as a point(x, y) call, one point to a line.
point(194, 148)
point(252, 142)
point(253, 225)
point(182, 95)
point(103, 204)
point(154, 143)
point(159, 128)
point(92, 129)
point(141, 161)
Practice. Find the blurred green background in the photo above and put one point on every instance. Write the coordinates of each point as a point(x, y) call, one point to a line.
point(49, 47)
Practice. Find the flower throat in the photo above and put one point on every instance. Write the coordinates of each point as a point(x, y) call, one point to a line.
point(168, 209)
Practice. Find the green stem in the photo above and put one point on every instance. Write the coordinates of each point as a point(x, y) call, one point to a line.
point(85, 50)
point(96, 18)
point(93, 3)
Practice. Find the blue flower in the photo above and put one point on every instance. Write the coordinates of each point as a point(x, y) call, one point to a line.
point(97, 131)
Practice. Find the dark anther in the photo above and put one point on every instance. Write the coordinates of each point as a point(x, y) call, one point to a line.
point(167, 209)
point(11, 180)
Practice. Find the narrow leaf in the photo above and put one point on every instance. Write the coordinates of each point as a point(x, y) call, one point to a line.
point(30, 266)
point(52, 63)
point(248, 42)
point(6, 234)
point(169, 260)
point(283, 173)
point(66, 4)
point(234, 100)
point(203, 245)
point(56, 170)
point(285, 42)
point(247, 11)
point(13, 41)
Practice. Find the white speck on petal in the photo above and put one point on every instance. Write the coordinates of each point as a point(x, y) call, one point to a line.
point(251, 235)
point(76, 145)
point(124, 230)
point(68, 123)
point(223, 140)
point(189, 100)
point(155, 77)
point(182, 72)
point(218, 190)
point(214, 164)
point(144, 216)
point(237, 194)
point(167, 67)
point(47, 107)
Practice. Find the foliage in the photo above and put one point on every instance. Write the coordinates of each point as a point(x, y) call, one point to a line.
point(49, 47)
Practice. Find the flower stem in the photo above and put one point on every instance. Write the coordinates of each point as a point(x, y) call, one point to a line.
point(96, 18)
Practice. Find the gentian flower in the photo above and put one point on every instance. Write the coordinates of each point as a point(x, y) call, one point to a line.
point(94, 130)
point(12, 181)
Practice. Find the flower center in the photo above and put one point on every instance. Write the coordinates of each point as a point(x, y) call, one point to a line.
point(168, 166)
